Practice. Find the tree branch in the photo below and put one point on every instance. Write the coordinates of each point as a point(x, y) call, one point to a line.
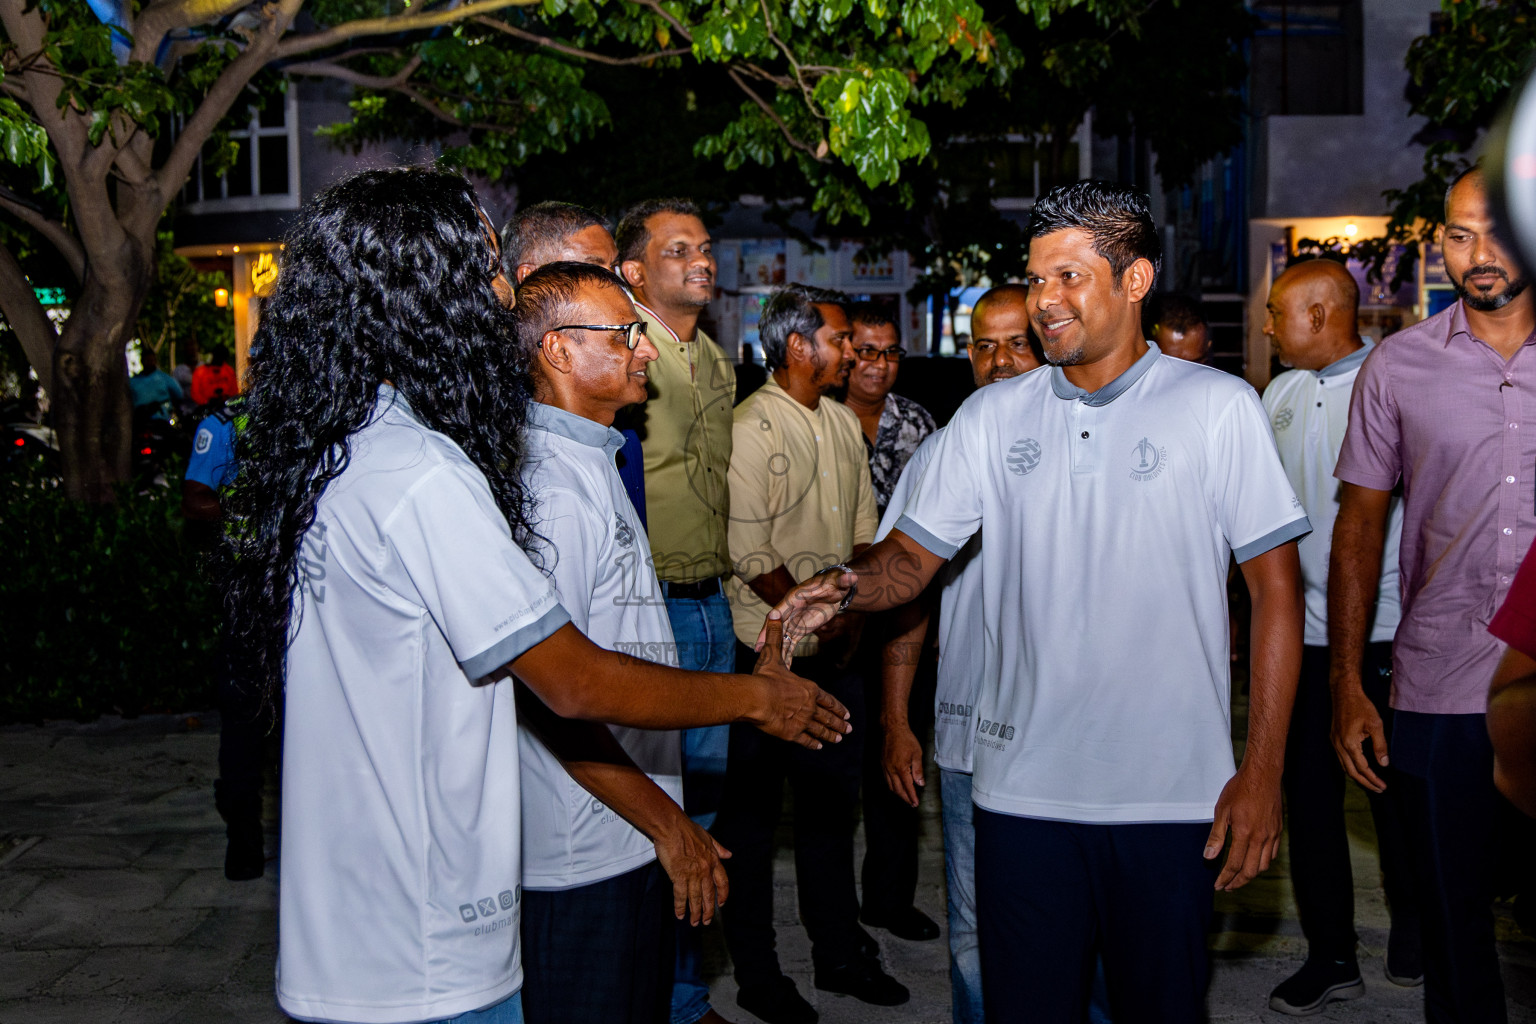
point(773, 116)
point(379, 83)
point(165, 16)
point(391, 24)
point(54, 231)
point(25, 314)
point(682, 30)
point(222, 95)
point(576, 51)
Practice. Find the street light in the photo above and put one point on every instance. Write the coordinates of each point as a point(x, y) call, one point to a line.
point(221, 297)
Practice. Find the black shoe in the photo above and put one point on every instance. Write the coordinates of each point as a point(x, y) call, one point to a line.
point(865, 981)
point(245, 857)
point(1405, 958)
point(868, 947)
point(777, 1002)
point(1318, 983)
point(911, 924)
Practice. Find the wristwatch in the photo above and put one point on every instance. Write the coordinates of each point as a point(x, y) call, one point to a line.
point(848, 597)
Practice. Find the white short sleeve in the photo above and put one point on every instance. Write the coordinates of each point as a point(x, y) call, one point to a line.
point(1255, 505)
point(489, 600)
point(944, 509)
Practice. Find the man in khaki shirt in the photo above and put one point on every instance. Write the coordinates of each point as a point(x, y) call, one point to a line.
point(665, 258)
point(801, 500)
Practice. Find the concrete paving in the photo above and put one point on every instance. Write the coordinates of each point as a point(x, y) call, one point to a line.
point(114, 907)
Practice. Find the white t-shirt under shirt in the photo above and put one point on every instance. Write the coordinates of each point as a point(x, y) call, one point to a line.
point(598, 555)
point(1309, 411)
point(401, 820)
point(962, 632)
point(1109, 518)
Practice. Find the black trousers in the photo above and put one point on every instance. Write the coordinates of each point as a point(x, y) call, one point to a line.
point(825, 784)
point(246, 724)
point(600, 953)
point(1453, 817)
point(1314, 795)
point(1053, 896)
point(890, 826)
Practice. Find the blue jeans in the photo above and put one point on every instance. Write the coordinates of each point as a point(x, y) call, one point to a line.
point(960, 879)
point(508, 1011)
point(706, 642)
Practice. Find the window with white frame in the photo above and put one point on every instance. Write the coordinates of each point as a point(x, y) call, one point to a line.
point(265, 174)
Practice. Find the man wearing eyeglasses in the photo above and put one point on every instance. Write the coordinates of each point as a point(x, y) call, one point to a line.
point(893, 425)
point(597, 932)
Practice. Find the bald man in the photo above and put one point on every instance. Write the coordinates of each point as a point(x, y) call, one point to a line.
point(1311, 324)
point(1002, 345)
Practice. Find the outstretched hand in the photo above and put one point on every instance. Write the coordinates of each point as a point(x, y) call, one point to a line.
point(799, 710)
point(808, 607)
point(691, 858)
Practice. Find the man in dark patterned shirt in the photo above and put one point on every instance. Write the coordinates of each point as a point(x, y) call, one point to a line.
point(893, 426)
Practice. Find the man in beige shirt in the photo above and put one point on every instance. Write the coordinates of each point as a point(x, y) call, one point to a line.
point(801, 500)
point(666, 258)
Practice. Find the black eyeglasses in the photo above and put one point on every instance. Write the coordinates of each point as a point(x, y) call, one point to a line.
point(869, 354)
point(632, 331)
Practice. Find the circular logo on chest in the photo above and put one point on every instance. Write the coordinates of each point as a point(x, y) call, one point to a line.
point(1283, 418)
point(1024, 456)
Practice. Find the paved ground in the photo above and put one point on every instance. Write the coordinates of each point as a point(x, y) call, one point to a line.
point(114, 908)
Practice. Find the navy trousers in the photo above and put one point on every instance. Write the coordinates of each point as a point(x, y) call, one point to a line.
point(1053, 895)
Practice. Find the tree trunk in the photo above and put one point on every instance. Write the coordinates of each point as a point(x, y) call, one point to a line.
point(91, 408)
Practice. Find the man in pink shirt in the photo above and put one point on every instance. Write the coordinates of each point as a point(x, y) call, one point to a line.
point(1448, 407)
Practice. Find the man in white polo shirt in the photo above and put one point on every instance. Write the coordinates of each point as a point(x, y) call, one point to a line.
point(597, 923)
point(1311, 322)
point(1115, 487)
point(381, 588)
point(1000, 348)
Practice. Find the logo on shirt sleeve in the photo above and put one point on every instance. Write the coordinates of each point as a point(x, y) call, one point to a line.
point(1147, 460)
point(1283, 419)
point(204, 441)
point(1023, 457)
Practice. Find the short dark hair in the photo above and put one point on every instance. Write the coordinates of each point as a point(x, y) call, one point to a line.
point(1118, 220)
point(632, 236)
point(535, 234)
point(1177, 312)
point(871, 314)
point(792, 310)
point(547, 297)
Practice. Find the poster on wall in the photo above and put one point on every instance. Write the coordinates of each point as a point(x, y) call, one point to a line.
point(886, 271)
point(751, 314)
point(762, 262)
point(807, 266)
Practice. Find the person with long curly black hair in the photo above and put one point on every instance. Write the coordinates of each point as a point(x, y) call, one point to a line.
point(376, 580)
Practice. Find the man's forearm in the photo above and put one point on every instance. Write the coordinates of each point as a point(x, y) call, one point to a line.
point(892, 573)
point(595, 759)
point(578, 679)
point(1274, 656)
point(1354, 571)
point(898, 664)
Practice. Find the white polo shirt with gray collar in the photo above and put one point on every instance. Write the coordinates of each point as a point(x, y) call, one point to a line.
point(960, 627)
point(1109, 518)
point(1309, 411)
point(400, 893)
point(593, 546)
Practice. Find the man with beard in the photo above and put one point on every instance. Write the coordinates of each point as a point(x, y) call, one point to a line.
point(1000, 348)
point(801, 500)
point(1447, 407)
point(1114, 488)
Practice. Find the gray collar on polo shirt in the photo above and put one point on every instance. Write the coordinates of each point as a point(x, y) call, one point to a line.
point(577, 428)
point(1065, 389)
point(1349, 362)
